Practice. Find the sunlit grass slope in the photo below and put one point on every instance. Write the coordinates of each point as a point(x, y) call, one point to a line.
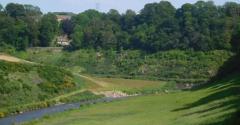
point(216, 104)
point(98, 84)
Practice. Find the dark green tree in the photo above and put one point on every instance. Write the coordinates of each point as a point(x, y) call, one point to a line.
point(67, 26)
point(1, 7)
point(77, 38)
point(114, 16)
point(236, 39)
point(128, 20)
point(156, 13)
point(48, 29)
point(15, 10)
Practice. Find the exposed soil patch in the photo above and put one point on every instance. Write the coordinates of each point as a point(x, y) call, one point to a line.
point(12, 59)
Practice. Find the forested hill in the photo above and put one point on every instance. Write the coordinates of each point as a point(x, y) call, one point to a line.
point(202, 26)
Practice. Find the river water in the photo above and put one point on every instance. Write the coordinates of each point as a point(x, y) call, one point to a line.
point(36, 114)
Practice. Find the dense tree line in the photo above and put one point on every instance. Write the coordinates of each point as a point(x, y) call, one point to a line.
point(23, 26)
point(202, 26)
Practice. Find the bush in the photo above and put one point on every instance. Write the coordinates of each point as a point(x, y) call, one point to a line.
point(2, 114)
point(5, 48)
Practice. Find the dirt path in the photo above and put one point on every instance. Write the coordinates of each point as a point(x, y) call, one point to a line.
point(57, 99)
point(9, 58)
point(100, 83)
point(111, 93)
point(12, 59)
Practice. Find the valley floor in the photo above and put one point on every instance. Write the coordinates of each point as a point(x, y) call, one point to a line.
point(212, 105)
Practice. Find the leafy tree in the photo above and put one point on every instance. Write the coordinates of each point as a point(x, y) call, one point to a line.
point(202, 26)
point(48, 29)
point(15, 10)
point(7, 26)
point(33, 15)
point(1, 7)
point(67, 26)
point(32, 10)
point(77, 38)
point(100, 34)
point(114, 15)
point(155, 13)
point(231, 9)
point(33, 33)
point(236, 39)
point(128, 20)
point(123, 40)
point(13, 32)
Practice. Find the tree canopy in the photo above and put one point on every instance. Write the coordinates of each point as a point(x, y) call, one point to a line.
point(201, 26)
point(24, 26)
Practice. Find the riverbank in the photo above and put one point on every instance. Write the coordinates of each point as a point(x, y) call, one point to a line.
point(76, 96)
point(39, 113)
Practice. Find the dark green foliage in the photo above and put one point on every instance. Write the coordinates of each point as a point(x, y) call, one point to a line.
point(1, 7)
point(48, 29)
point(67, 26)
point(231, 66)
point(202, 26)
point(23, 26)
point(236, 39)
point(15, 10)
point(7, 48)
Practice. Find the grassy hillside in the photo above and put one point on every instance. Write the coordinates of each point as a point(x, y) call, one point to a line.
point(215, 104)
point(28, 83)
point(129, 86)
point(175, 65)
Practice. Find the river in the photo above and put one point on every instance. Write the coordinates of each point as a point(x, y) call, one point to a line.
point(36, 114)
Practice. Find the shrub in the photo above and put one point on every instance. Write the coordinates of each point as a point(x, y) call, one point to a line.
point(2, 114)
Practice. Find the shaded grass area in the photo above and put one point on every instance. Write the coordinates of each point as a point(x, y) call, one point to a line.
point(215, 104)
point(224, 96)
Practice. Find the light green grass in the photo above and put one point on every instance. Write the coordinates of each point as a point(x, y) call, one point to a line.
point(212, 105)
point(109, 84)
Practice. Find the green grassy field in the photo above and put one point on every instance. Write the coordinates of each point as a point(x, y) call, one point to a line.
point(215, 104)
point(97, 84)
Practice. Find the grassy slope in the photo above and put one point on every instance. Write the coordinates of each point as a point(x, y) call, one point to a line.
point(23, 84)
point(97, 84)
point(23, 81)
point(175, 65)
point(211, 105)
